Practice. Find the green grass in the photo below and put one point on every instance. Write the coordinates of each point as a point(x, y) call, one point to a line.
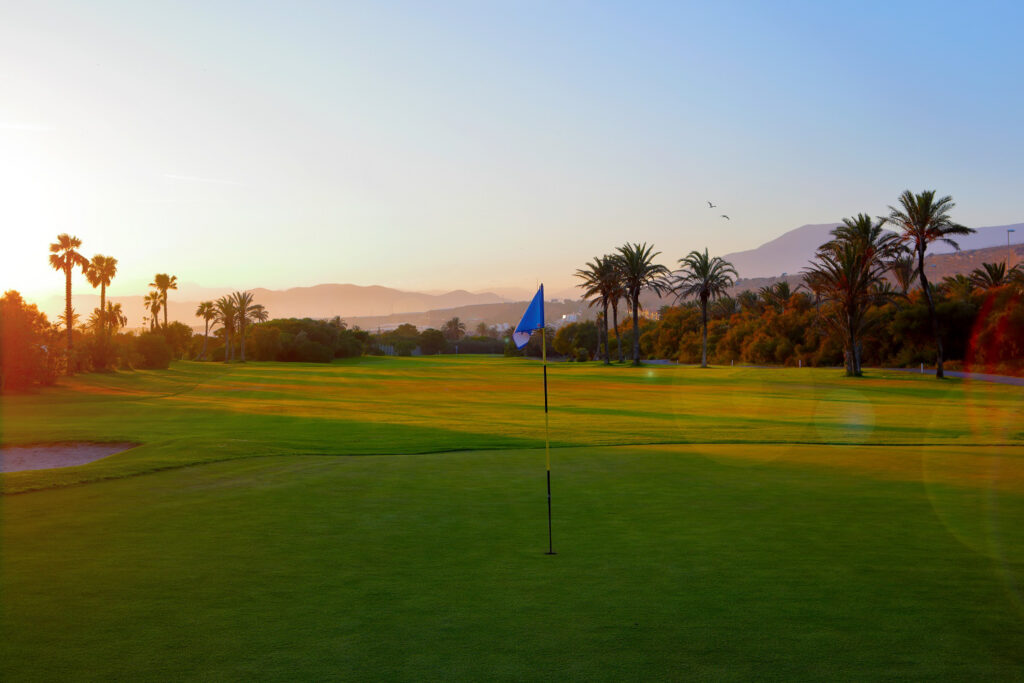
point(721, 524)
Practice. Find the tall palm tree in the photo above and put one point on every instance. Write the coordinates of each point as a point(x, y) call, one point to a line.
point(153, 303)
point(873, 236)
point(846, 274)
point(705, 279)
point(246, 311)
point(990, 276)
point(64, 257)
point(638, 272)
point(206, 311)
point(100, 272)
point(923, 219)
point(227, 317)
point(164, 282)
point(616, 293)
point(597, 277)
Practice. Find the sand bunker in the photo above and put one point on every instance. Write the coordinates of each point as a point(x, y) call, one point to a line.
point(54, 455)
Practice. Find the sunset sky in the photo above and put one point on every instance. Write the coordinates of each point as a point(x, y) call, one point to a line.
point(483, 144)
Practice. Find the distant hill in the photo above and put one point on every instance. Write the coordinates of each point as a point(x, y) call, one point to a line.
point(320, 301)
point(508, 313)
point(790, 252)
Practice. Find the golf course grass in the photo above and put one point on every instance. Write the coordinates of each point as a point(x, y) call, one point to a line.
point(727, 523)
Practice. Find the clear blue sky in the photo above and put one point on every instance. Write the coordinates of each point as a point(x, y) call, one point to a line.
point(478, 144)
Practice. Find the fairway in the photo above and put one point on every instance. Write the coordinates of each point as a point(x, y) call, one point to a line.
point(727, 523)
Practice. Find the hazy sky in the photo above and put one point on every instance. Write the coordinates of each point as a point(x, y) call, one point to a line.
point(442, 145)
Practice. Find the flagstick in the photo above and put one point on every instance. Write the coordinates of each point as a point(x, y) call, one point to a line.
point(547, 440)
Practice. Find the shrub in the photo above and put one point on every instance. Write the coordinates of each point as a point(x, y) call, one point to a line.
point(153, 350)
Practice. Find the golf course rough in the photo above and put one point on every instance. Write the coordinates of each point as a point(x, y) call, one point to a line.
point(728, 523)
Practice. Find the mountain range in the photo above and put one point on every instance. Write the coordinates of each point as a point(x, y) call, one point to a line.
point(790, 252)
point(320, 301)
point(781, 258)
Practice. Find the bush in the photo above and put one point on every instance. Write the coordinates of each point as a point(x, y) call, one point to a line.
point(154, 351)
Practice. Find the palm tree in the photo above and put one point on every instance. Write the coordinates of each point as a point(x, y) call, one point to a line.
point(599, 277)
point(100, 272)
point(62, 319)
point(904, 271)
point(958, 287)
point(846, 274)
point(63, 256)
point(723, 307)
point(259, 313)
point(246, 311)
point(705, 279)
point(206, 311)
point(227, 317)
point(153, 302)
point(747, 300)
point(873, 236)
point(922, 220)
point(164, 282)
point(616, 292)
point(1017, 276)
point(112, 318)
point(638, 272)
point(454, 329)
point(990, 276)
point(776, 295)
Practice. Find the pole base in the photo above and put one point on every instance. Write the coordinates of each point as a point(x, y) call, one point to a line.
point(550, 552)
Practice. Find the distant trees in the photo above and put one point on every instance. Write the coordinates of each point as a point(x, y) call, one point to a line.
point(305, 340)
point(923, 219)
point(577, 341)
point(454, 329)
point(866, 302)
point(433, 341)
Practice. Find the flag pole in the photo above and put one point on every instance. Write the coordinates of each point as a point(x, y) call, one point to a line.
point(547, 439)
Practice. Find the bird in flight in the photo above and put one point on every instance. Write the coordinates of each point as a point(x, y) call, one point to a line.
point(726, 217)
point(712, 206)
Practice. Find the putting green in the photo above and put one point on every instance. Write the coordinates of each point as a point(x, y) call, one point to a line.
point(752, 523)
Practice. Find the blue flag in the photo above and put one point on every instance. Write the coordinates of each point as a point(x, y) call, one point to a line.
point(532, 320)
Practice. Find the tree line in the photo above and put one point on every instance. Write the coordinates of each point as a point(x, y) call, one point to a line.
point(857, 301)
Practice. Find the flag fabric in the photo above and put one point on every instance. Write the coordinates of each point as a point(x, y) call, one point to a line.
point(532, 320)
